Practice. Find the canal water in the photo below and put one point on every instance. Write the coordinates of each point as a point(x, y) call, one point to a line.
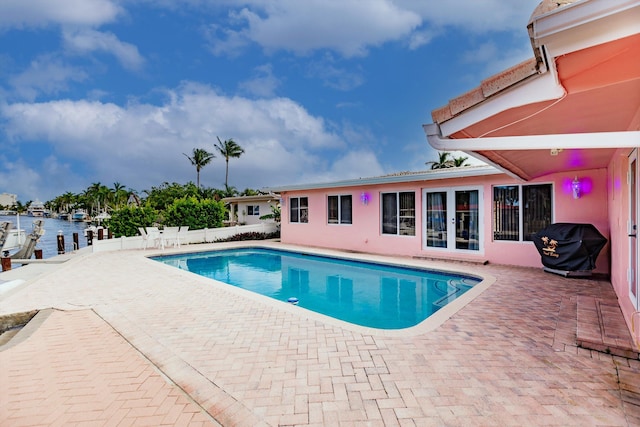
point(49, 241)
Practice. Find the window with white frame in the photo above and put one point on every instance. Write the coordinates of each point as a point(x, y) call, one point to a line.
point(520, 211)
point(399, 213)
point(299, 209)
point(339, 209)
point(253, 210)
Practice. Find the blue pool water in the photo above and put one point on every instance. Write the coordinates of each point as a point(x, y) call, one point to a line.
point(366, 294)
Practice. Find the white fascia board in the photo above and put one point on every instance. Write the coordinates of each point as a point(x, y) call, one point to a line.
point(585, 24)
point(533, 142)
point(538, 88)
point(580, 13)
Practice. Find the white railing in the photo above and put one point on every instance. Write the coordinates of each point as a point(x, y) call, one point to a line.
point(206, 235)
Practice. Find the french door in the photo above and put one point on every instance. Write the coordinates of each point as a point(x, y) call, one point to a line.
point(453, 218)
point(634, 292)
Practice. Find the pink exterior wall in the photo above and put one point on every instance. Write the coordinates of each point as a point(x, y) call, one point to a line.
point(618, 217)
point(365, 235)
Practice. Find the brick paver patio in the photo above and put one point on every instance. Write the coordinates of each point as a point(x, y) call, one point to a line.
point(132, 341)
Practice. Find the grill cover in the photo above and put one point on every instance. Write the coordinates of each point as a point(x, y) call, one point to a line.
point(569, 247)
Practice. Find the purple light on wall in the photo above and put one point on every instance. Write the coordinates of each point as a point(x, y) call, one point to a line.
point(617, 184)
point(575, 159)
point(576, 188)
point(365, 198)
point(587, 185)
point(566, 186)
point(583, 186)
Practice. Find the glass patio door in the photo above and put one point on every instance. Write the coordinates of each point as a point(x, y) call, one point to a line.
point(634, 293)
point(452, 219)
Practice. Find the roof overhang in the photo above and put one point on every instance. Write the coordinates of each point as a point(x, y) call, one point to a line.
point(257, 198)
point(530, 156)
point(580, 95)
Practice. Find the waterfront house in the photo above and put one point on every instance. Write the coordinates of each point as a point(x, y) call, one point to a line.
point(247, 210)
point(561, 132)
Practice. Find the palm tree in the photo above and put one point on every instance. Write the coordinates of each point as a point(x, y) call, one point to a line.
point(443, 161)
point(92, 195)
point(119, 193)
point(230, 191)
point(459, 161)
point(274, 215)
point(200, 158)
point(229, 148)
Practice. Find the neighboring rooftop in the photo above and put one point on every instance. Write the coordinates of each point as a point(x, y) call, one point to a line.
point(254, 198)
point(406, 176)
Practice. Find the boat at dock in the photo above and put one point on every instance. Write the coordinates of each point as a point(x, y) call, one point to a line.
point(80, 215)
point(101, 217)
point(10, 238)
point(36, 209)
point(17, 239)
point(54, 227)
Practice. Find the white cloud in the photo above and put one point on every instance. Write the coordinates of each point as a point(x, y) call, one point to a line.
point(45, 75)
point(39, 13)
point(494, 58)
point(352, 165)
point(421, 38)
point(478, 16)
point(263, 84)
point(141, 145)
point(84, 41)
point(40, 180)
point(347, 26)
point(20, 178)
point(334, 76)
point(352, 27)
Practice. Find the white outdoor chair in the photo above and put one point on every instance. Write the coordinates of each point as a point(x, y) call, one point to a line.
point(182, 233)
point(153, 235)
point(170, 236)
point(145, 237)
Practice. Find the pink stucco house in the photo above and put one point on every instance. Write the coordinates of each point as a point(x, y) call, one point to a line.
point(560, 132)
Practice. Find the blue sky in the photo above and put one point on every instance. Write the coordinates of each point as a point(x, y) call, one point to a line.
point(313, 90)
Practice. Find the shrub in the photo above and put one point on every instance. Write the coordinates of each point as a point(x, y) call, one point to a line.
point(252, 235)
point(126, 220)
point(197, 214)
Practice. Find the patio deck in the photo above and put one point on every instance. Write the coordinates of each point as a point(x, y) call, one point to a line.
point(132, 342)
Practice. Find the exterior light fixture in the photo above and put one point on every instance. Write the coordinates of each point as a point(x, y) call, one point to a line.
point(576, 188)
point(364, 198)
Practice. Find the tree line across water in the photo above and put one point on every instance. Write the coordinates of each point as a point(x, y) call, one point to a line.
point(172, 204)
point(169, 204)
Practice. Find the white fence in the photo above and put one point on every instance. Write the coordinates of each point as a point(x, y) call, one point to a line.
point(206, 235)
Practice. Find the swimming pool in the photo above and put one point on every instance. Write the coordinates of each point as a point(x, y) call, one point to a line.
point(366, 294)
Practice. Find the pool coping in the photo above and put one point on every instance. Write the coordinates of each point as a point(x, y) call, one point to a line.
point(429, 324)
